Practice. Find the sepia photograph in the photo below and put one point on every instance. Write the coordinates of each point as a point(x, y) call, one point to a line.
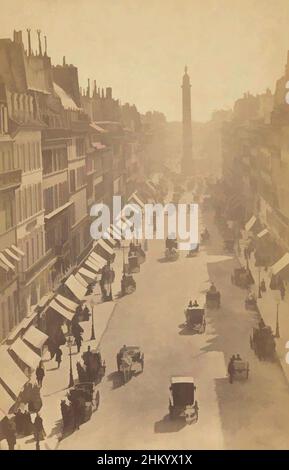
point(144, 228)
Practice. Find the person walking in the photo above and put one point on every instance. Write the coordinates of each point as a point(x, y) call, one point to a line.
point(40, 374)
point(39, 432)
point(58, 356)
point(78, 342)
point(10, 435)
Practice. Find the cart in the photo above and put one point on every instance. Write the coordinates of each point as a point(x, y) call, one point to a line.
point(130, 361)
point(263, 343)
point(182, 404)
point(195, 319)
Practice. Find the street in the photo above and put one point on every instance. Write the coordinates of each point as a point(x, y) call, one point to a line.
point(243, 415)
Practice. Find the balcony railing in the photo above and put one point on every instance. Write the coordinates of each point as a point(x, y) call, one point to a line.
point(10, 179)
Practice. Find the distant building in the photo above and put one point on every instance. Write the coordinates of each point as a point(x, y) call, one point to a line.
point(187, 158)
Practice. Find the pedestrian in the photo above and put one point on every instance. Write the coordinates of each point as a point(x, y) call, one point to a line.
point(40, 374)
point(58, 356)
point(78, 342)
point(10, 434)
point(263, 286)
point(86, 313)
point(39, 432)
point(282, 291)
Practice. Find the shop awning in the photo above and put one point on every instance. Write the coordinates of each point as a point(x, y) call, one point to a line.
point(75, 287)
point(281, 267)
point(66, 302)
point(80, 279)
point(35, 337)
point(67, 314)
point(87, 273)
point(115, 232)
point(250, 224)
point(17, 250)
point(261, 235)
point(29, 357)
point(11, 375)
point(6, 261)
point(136, 199)
point(94, 267)
point(106, 246)
point(6, 401)
point(108, 238)
point(98, 259)
point(11, 254)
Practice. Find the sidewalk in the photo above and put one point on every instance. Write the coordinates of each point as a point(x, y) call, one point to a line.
point(55, 383)
point(267, 306)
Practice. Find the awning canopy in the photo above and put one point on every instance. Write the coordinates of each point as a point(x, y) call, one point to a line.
point(98, 259)
point(281, 267)
point(115, 232)
point(91, 265)
point(85, 272)
point(67, 314)
point(75, 287)
point(80, 279)
point(11, 375)
point(263, 233)
point(136, 200)
point(9, 257)
point(250, 224)
point(29, 357)
point(35, 337)
point(66, 302)
point(105, 246)
point(108, 238)
point(6, 401)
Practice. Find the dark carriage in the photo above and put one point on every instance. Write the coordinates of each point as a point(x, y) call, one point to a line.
point(213, 299)
point(238, 369)
point(182, 404)
point(242, 277)
point(195, 319)
point(133, 262)
point(93, 369)
point(83, 400)
point(171, 254)
point(128, 284)
point(251, 303)
point(194, 250)
point(130, 361)
point(263, 343)
point(229, 245)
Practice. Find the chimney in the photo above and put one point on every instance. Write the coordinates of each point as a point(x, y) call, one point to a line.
point(63, 61)
point(17, 37)
point(29, 41)
point(109, 93)
point(45, 45)
point(94, 89)
point(39, 42)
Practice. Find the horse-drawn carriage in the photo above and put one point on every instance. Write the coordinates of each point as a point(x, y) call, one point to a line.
point(205, 236)
point(133, 261)
point(130, 360)
point(194, 250)
point(128, 284)
point(229, 244)
point(238, 369)
point(251, 302)
point(213, 299)
point(93, 368)
point(195, 317)
point(171, 254)
point(182, 403)
point(263, 343)
point(83, 400)
point(242, 277)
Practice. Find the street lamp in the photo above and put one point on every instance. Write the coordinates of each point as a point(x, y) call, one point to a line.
point(259, 281)
point(277, 333)
point(69, 344)
point(92, 336)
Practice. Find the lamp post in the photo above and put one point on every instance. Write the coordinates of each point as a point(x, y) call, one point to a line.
point(259, 282)
point(277, 333)
point(92, 336)
point(69, 344)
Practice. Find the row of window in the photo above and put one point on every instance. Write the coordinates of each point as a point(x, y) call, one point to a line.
point(6, 213)
point(28, 156)
point(54, 160)
point(77, 178)
point(9, 315)
point(57, 235)
point(55, 196)
point(28, 201)
point(33, 247)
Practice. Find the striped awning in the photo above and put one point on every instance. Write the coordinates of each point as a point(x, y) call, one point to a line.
point(25, 354)
point(11, 375)
point(67, 314)
point(80, 279)
point(66, 302)
point(87, 273)
point(35, 337)
point(75, 287)
point(9, 257)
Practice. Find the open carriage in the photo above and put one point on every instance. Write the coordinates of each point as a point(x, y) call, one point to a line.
point(93, 369)
point(263, 343)
point(213, 299)
point(128, 284)
point(83, 399)
point(171, 254)
point(195, 318)
point(182, 403)
point(242, 277)
point(130, 361)
point(238, 369)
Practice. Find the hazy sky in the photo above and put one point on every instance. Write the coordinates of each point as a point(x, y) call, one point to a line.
point(140, 47)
